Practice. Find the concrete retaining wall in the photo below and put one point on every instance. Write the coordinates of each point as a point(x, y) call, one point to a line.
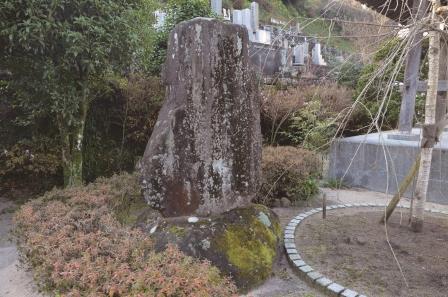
point(381, 164)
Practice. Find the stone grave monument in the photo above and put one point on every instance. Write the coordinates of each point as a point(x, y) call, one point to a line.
point(204, 154)
point(201, 167)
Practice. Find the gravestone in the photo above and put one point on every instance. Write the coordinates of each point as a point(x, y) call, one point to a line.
point(247, 20)
point(255, 16)
point(299, 54)
point(237, 17)
point(217, 6)
point(203, 157)
point(316, 55)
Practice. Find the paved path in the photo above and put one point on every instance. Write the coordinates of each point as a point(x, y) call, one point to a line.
point(344, 196)
point(14, 282)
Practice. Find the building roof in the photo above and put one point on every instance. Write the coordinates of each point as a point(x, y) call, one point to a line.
point(397, 10)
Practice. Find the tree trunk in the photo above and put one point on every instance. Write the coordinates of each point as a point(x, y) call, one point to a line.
point(421, 188)
point(72, 146)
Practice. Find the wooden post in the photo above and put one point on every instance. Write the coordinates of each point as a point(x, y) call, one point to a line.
point(411, 73)
point(324, 206)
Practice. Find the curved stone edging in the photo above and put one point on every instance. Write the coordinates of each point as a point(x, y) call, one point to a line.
point(324, 283)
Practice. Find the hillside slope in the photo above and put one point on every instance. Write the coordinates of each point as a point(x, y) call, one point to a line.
point(314, 18)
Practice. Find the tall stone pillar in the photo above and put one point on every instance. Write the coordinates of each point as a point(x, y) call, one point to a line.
point(217, 6)
point(204, 154)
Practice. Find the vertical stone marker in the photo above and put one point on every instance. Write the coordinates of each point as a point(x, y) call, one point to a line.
point(204, 155)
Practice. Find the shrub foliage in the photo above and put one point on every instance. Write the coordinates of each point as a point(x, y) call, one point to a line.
point(77, 247)
point(306, 115)
point(288, 172)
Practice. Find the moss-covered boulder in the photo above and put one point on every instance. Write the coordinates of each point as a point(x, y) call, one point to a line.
point(243, 243)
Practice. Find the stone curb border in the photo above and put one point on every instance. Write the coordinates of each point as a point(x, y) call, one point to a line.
point(327, 285)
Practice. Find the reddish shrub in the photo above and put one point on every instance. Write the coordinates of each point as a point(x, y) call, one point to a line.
point(288, 172)
point(77, 247)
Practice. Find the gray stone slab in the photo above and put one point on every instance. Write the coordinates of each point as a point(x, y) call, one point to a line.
point(291, 250)
point(289, 231)
point(349, 293)
point(299, 263)
point(290, 245)
point(305, 269)
point(324, 282)
point(314, 275)
point(294, 257)
point(335, 289)
point(403, 137)
point(289, 240)
point(291, 236)
point(288, 227)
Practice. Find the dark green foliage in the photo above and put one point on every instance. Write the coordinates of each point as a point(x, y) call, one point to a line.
point(60, 53)
point(348, 73)
point(30, 167)
point(119, 125)
point(374, 87)
point(29, 154)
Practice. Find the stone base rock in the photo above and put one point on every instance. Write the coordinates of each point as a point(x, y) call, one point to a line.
point(243, 243)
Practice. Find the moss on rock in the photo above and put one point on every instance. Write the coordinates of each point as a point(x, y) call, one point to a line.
point(242, 243)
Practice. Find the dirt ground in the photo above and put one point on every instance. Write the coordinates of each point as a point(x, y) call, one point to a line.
point(351, 247)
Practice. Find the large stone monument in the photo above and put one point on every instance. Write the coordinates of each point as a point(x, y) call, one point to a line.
point(204, 155)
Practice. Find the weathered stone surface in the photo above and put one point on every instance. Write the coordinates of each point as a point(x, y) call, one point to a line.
point(349, 293)
point(305, 269)
point(204, 154)
point(324, 282)
point(335, 289)
point(314, 275)
point(243, 243)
